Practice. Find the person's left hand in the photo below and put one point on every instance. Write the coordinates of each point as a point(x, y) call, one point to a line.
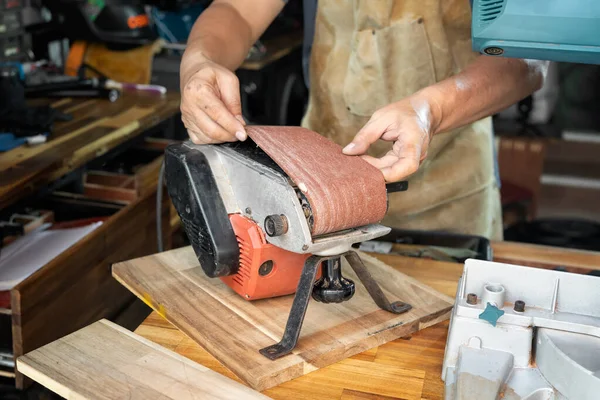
point(409, 124)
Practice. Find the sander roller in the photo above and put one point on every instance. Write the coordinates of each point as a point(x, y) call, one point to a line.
point(275, 214)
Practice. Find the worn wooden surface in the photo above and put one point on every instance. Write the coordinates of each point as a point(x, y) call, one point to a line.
point(76, 288)
point(546, 256)
point(407, 368)
point(233, 330)
point(97, 127)
point(105, 361)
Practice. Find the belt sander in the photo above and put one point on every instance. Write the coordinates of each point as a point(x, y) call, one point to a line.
point(275, 214)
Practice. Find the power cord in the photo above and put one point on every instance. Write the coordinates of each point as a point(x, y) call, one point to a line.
point(159, 195)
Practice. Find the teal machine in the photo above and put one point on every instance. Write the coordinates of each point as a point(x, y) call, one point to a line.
point(554, 30)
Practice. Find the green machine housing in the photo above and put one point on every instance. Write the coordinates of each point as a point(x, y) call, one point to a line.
point(554, 30)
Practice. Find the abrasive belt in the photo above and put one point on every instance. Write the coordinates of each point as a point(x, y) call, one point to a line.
point(343, 191)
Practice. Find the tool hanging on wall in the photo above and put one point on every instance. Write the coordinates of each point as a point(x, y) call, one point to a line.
point(276, 214)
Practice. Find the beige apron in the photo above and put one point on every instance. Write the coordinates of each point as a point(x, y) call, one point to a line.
point(369, 53)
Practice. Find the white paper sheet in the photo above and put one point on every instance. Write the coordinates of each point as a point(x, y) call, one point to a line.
point(29, 253)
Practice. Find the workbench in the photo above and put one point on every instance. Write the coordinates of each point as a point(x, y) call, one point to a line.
point(97, 127)
point(408, 368)
point(76, 288)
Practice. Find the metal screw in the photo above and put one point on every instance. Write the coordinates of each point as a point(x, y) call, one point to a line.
point(265, 268)
point(472, 298)
point(494, 51)
point(248, 210)
point(305, 247)
point(272, 351)
point(519, 306)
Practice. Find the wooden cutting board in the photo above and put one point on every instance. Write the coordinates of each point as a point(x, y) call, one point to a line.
point(106, 361)
point(233, 329)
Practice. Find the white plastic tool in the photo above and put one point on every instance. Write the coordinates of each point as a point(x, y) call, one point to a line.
point(520, 333)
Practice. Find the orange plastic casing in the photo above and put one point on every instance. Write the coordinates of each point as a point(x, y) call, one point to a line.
point(254, 252)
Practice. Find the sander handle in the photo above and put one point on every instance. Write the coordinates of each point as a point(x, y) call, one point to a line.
point(393, 187)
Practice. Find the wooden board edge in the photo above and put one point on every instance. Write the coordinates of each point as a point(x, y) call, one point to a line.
point(7, 374)
point(253, 381)
point(62, 390)
point(147, 302)
point(431, 320)
point(376, 339)
point(522, 253)
point(48, 382)
point(409, 279)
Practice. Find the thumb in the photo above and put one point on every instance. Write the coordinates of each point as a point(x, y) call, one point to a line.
point(368, 135)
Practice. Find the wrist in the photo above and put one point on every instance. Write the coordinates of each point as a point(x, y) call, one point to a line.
point(432, 96)
point(192, 61)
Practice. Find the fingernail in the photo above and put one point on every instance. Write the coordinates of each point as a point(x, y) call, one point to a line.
point(241, 135)
point(349, 148)
point(241, 119)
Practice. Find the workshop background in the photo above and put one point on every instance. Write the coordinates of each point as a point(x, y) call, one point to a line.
point(86, 111)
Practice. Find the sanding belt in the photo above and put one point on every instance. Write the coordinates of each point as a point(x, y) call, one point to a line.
point(343, 191)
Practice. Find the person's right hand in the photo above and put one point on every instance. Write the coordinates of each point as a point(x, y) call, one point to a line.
point(210, 105)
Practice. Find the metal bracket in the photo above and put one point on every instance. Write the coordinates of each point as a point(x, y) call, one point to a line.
point(303, 293)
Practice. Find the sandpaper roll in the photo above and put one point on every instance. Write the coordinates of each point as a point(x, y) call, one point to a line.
point(343, 191)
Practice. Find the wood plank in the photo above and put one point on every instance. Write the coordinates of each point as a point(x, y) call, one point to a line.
point(105, 361)
point(110, 193)
point(422, 352)
point(110, 179)
point(233, 330)
point(545, 256)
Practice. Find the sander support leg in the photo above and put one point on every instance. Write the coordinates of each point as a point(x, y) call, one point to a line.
point(303, 293)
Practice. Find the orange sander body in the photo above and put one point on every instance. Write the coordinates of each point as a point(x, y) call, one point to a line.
point(265, 270)
point(275, 215)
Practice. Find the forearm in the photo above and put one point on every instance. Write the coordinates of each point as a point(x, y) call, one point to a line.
point(485, 87)
point(221, 35)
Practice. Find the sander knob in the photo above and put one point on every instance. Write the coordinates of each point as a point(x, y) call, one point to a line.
point(332, 287)
point(276, 225)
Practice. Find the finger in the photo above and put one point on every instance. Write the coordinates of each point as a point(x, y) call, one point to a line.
point(229, 87)
point(210, 128)
point(214, 107)
point(368, 135)
point(195, 134)
point(386, 161)
point(241, 119)
point(201, 138)
point(409, 159)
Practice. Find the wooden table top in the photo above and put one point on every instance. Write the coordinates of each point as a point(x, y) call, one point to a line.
point(408, 368)
point(97, 127)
